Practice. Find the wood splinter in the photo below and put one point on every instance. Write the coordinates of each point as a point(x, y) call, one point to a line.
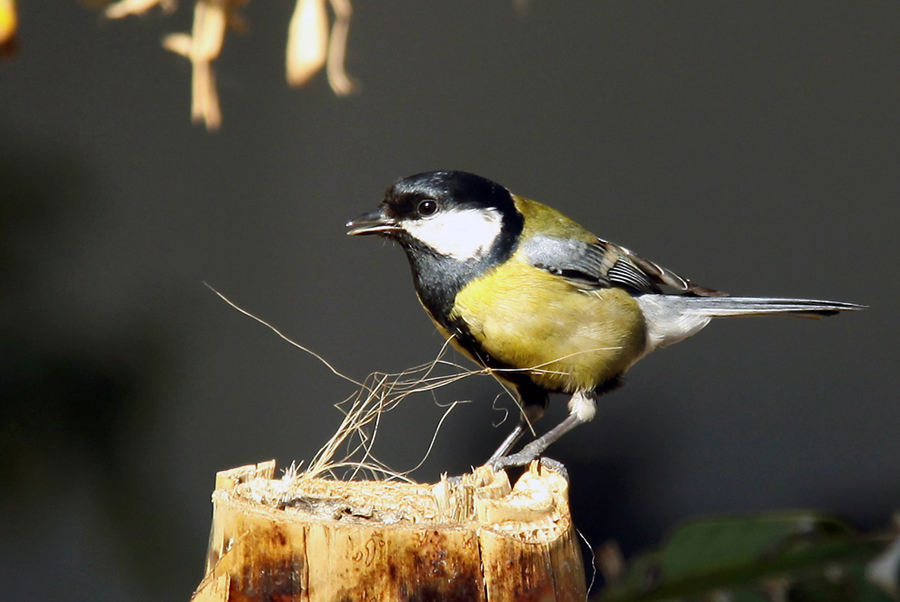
point(313, 540)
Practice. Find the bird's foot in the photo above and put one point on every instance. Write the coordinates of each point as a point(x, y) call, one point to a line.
point(525, 457)
point(556, 466)
point(509, 461)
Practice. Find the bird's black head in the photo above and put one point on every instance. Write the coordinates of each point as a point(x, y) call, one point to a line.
point(453, 214)
point(453, 226)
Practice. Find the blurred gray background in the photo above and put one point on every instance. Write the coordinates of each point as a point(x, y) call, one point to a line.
point(751, 146)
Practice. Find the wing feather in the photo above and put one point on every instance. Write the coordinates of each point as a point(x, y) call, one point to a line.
point(603, 264)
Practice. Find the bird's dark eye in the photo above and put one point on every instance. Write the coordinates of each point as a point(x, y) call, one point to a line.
point(427, 207)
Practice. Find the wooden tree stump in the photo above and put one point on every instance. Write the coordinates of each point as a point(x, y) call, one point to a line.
point(314, 540)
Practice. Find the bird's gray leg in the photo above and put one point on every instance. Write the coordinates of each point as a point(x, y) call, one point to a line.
point(511, 440)
point(533, 407)
point(582, 408)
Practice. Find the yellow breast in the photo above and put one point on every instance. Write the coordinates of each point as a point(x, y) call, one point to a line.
point(567, 339)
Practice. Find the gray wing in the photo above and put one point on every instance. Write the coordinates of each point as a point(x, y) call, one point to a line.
point(603, 264)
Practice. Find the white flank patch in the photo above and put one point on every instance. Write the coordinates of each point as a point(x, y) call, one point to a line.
point(462, 234)
point(668, 320)
point(583, 406)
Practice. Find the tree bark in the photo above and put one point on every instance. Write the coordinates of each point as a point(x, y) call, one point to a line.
point(313, 540)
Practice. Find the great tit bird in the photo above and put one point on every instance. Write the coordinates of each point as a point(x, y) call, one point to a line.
point(538, 300)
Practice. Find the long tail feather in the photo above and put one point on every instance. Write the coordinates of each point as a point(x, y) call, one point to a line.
point(715, 307)
point(673, 318)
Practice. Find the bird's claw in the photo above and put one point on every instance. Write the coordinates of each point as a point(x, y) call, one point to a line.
point(556, 466)
point(521, 458)
point(525, 457)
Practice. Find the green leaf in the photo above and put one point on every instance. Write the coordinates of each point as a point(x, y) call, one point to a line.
point(792, 556)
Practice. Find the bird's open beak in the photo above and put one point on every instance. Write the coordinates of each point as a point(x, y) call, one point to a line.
point(373, 222)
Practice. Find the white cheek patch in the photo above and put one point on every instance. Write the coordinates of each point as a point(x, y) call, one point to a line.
point(458, 233)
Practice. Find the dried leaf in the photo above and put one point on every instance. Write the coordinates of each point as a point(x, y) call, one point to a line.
point(337, 76)
point(204, 97)
point(179, 43)
point(210, 18)
point(125, 8)
point(307, 44)
point(9, 25)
